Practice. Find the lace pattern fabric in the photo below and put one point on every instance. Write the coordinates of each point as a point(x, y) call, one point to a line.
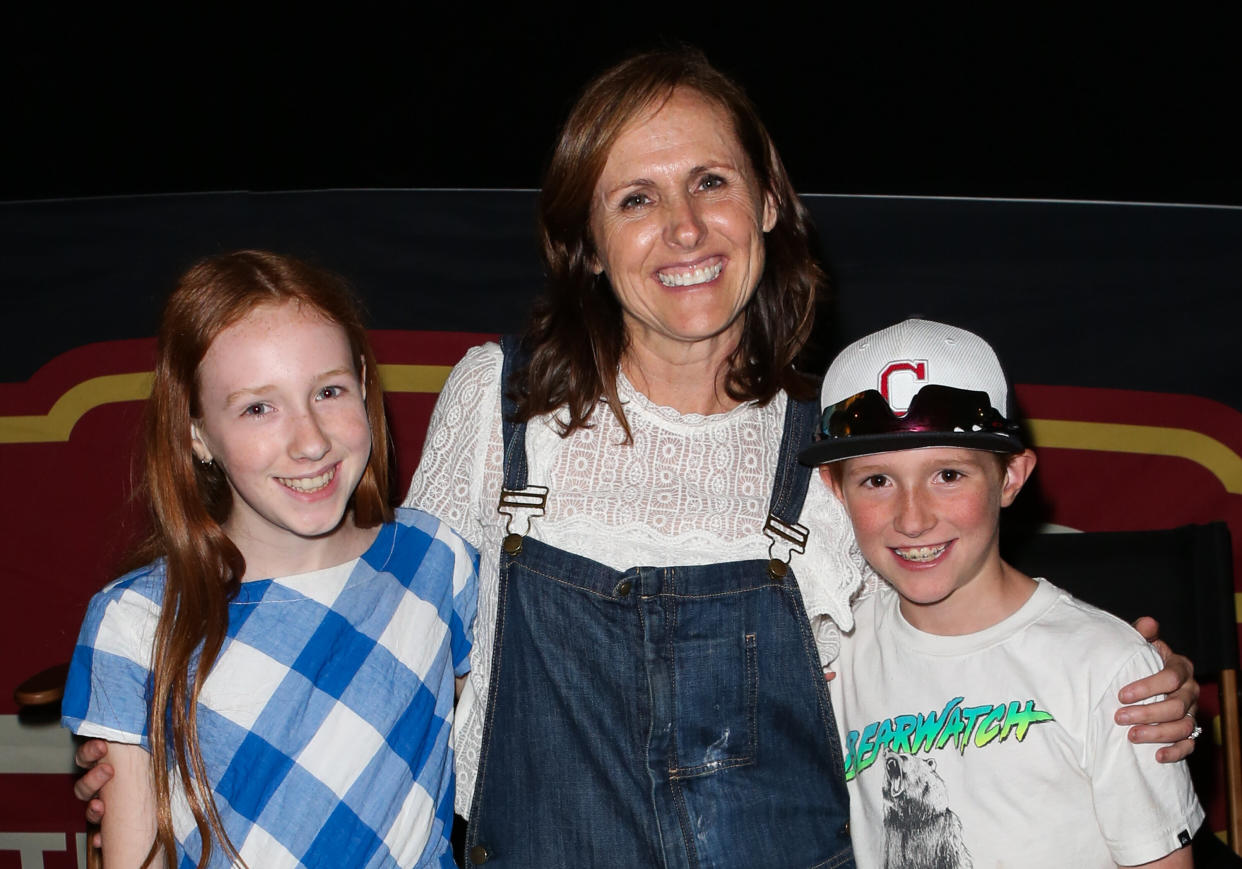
point(690, 489)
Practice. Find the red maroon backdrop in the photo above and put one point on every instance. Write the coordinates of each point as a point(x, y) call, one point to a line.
point(1116, 321)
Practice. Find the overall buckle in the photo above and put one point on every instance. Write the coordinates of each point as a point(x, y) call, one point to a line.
point(529, 502)
point(787, 540)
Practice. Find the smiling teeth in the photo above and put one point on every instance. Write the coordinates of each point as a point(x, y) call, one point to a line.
point(308, 484)
point(922, 553)
point(688, 279)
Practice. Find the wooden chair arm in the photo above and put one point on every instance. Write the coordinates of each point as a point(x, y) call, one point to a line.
point(47, 686)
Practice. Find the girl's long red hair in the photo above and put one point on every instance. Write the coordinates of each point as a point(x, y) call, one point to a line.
point(189, 501)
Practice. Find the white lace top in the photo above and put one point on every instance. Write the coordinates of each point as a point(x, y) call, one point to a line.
point(690, 489)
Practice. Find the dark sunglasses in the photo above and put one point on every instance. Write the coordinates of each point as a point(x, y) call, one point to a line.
point(934, 409)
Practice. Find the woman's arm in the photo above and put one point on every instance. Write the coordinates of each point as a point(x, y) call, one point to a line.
point(1170, 720)
point(129, 826)
point(455, 462)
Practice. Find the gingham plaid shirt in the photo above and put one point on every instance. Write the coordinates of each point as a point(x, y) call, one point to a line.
point(325, 723)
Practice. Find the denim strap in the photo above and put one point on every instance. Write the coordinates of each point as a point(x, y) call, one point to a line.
point(515, 358)
point(792, 477)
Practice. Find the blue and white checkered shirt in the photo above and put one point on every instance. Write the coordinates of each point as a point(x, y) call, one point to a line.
point(325, 724)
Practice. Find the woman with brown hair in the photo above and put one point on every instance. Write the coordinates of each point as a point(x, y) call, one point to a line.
point(281, 602)
point(659, 589)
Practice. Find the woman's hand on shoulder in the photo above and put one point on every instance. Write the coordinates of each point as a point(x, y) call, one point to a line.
point(91, 756)
point(1170, 720)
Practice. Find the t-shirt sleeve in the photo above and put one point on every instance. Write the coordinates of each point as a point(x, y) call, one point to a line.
point(1145, 809)
point(107, 691)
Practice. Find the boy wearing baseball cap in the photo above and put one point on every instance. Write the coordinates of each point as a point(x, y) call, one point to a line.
point(976, 702)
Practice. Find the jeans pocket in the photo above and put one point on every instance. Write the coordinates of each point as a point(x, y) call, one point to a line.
point(717, 695)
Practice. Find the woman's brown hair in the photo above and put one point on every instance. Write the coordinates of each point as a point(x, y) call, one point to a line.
point(576, 337)
point(189, 501)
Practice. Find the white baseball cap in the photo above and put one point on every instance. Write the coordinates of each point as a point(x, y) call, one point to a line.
point(915, 384)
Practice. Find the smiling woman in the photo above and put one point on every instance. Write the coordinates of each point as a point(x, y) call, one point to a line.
point(660, 586)
point(664, 175)
point(650, 716)
point(678, 221)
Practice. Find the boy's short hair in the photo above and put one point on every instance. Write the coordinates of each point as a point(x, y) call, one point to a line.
point(915, 384)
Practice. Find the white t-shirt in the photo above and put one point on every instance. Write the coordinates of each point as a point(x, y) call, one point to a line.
point(1001, 743)
point(690, 489)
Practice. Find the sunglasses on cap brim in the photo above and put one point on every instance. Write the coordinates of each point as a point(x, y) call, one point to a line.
point(934, 408)
point(938, 415)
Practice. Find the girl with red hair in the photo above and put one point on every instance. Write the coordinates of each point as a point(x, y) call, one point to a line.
point(277, 680)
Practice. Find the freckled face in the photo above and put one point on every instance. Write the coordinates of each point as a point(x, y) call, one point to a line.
point(927, 519)
point(282, 413)
point(678, 222)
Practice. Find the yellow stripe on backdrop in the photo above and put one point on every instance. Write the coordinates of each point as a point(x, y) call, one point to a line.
point(1152, 440)
point(414, 378)
point(57, 424)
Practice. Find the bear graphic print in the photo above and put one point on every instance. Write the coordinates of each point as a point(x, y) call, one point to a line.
point(921, 831)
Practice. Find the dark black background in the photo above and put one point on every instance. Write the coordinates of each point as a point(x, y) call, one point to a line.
point(1125, 103)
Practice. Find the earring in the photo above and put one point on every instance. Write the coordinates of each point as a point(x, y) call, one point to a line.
point(207, 462)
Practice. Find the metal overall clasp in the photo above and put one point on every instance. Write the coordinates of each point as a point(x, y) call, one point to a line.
point(529, 502)
point(787, 540)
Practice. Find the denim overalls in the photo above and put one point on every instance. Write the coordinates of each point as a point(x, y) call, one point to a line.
point(672, 717)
